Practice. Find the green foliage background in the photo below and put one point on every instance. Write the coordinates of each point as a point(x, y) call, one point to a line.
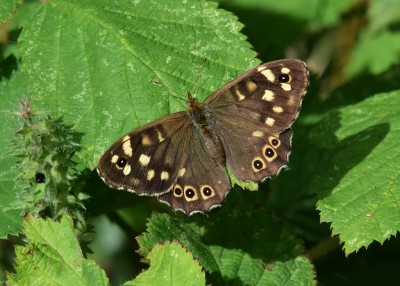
point(103, 68)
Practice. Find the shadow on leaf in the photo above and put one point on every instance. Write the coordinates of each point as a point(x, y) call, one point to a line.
point(341, 156)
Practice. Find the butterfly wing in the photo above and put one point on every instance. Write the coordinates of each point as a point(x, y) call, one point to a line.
point(253, 115)
point(247, 129)
point(167, 158)
point(143, 160)
point(205, 183)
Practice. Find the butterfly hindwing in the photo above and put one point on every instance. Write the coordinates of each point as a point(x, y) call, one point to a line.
point(256, 158)
point(203, 182)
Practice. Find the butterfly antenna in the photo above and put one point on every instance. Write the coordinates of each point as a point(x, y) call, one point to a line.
point(174, 93)
point(189, 94)
point(199, 75)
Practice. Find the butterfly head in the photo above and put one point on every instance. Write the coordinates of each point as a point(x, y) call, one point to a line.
point(196, 110)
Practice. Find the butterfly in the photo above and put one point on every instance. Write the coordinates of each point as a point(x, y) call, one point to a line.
point(183, 157)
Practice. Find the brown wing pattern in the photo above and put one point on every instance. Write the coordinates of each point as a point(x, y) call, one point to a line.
point(138, 162)
point(166, 158)
point(203, 182)
point(253, 115)
point(244, 126)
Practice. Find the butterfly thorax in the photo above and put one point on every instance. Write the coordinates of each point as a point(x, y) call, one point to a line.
point(196, 112)
point(199, 117)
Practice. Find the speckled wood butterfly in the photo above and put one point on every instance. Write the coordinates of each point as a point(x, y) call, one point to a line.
point(243, 126)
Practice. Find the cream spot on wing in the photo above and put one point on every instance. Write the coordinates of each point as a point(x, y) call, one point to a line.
point(160, 137)
point(269, 121)
point(292, 101)
point(136, 182)
point(181, 172)
point(261, 68)
point(114, 159)
point(169, 160)
point(144, 160)
point(277, 109)
point(268, 95)
point(127, 148)
point(258, 134)
point(251, 86)
point(127, 170)
point(164, 175)
point(146, 140)
point(150, 175)
point(286, 86)
point(285, 70)
point(269, 75)
point(239, 94)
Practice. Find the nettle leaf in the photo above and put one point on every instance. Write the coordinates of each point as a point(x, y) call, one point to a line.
point(108, 68)
point(236, 249)
point(170, 264)
point(360, 190)
point(162, 227)
point(7, 7)
point(10, 121)
point(52, 256)
point(251, 247)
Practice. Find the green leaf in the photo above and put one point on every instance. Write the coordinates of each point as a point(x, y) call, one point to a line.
point(316, 13)
point(360, 191)
point(52, 256)
point(248, 185)
point(236, 248)
point(380, 17)
point(170, 264)
point(378, 46)
point(250, 246)
point(296, 272)
point(10, 122)
point(7, 7)
point(374, 53)
point(10, 206)
point(162, 227)
point(110, 67)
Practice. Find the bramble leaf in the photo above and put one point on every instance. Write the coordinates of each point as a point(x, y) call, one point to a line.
point(53, 256)
point(170, 264)
point(360, 191)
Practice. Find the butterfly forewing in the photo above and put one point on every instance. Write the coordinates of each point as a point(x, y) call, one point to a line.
point(243, 126)
point(271, 93)
point(260, 107)
point(146, 160)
